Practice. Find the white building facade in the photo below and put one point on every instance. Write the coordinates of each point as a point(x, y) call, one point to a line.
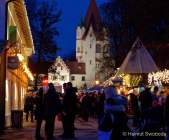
point(77, 74)
point(58, 74)
point(91, 44)
point(70, 71)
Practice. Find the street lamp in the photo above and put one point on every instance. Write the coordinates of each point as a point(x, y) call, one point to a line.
point(97, 82)
point(4, 62)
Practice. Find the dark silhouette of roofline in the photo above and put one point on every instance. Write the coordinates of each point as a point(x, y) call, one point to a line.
point(92, 18)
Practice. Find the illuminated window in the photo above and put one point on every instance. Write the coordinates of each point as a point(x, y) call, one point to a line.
point(97, 65)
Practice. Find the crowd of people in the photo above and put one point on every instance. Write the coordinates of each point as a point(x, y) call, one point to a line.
point(46, 104)
point(148, 110)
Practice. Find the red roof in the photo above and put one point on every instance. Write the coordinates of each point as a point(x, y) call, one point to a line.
point(93, 17)
point(76, 68)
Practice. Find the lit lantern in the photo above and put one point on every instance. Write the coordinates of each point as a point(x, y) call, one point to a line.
point(97, 82)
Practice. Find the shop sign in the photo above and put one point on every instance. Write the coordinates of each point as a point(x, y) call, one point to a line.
point(13, 62)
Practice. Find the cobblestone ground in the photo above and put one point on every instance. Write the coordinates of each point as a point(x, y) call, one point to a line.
point(85, 131)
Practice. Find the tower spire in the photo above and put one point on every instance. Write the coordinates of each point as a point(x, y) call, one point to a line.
point(93, 16)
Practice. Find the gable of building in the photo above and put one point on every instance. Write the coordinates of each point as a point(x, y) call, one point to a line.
point(59, 65)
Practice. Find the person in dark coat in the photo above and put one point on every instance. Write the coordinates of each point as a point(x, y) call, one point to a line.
point(100, 104)
point(39, 112)
point(69, 111)
point(85, 107)
point(146, 100)
point(51, 108)
point(135, 108)
point(28, 107)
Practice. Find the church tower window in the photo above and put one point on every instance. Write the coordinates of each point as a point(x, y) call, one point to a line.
point(90, 61)
point(78, 49)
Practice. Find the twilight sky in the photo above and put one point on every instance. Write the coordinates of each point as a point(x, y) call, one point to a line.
point(72, 10)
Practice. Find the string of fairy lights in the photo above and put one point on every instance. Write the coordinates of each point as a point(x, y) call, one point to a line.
point(160, 76)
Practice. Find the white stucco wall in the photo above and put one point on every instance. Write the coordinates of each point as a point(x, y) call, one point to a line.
point(78, 80)
point(88, 53)
point(79, 43)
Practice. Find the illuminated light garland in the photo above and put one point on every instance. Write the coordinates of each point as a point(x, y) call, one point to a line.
point(7, 91)
point(109, 81)
point(162, 76)
point(28, 72)
point(20, 57)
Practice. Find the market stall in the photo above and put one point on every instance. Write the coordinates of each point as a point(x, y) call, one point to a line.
point(136, 66)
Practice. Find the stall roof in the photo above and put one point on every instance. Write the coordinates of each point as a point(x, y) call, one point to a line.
point(138, 60)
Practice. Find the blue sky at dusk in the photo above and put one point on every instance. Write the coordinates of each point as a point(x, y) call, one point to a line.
point(72, 10)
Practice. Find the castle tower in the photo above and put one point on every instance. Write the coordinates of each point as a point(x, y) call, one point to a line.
point(90, 41)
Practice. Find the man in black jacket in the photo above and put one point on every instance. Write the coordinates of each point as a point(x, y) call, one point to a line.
point(51, 108)
point(69, 111)
point(39, 110)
